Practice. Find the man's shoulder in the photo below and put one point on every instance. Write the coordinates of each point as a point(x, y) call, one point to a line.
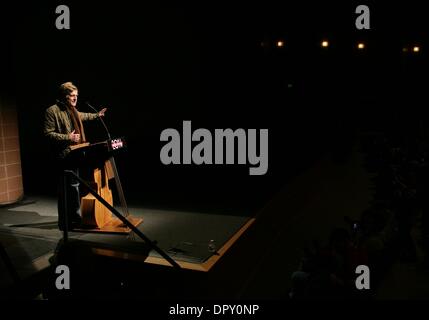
point(53, 109)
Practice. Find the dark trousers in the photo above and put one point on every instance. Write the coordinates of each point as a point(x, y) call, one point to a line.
point(68, 198)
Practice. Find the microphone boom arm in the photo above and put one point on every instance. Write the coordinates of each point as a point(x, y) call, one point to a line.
point(102, 121)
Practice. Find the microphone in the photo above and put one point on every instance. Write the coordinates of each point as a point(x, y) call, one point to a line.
point(101, 119)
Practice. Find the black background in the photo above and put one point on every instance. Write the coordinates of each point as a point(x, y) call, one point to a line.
point(155, 65)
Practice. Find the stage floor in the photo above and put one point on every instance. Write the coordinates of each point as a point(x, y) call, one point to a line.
point(29, 234)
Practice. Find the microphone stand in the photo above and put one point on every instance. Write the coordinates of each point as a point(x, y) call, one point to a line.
point(101, 119)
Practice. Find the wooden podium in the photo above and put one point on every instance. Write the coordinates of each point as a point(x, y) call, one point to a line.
point(98, 167)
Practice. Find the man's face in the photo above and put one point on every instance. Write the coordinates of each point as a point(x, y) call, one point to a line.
point(72, 98)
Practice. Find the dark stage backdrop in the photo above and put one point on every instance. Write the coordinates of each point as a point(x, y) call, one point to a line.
point(155, 65)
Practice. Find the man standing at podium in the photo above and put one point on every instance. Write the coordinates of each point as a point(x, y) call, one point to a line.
point(63, 127)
